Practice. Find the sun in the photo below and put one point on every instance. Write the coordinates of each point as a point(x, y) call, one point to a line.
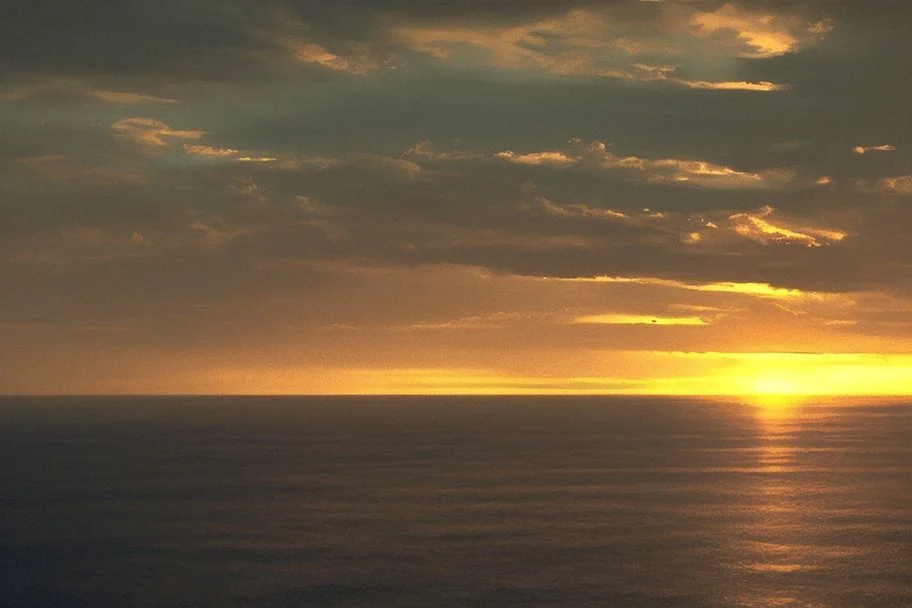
point(775, 395)
point(774, 386)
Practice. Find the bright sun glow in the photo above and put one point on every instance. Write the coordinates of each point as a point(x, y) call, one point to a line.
point(774, 386)
point(775, 376)
point(775, 395)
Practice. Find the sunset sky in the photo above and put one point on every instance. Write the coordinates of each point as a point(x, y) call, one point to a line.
point(489, 196)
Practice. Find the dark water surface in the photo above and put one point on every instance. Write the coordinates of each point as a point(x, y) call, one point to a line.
point(430, 501)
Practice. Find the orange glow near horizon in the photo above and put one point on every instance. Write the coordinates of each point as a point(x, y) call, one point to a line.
point(761, 378)
point(777, 376)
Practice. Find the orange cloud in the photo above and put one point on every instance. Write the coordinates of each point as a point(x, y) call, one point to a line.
point(758, 34)
point(589, 42)
point(758, 290)
point(683, 171)
point(362, 60)
point(881, 148)
point(623, 319)
point(256, 159)
point(558, 159)
point(758, 226)
point(662, 170)
point(126, 97)
point(732, 85)
point(199, 150)
point(151, 133)
point(578, 210)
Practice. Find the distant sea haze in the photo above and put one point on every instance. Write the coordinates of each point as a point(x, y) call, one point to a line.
point(455, 502)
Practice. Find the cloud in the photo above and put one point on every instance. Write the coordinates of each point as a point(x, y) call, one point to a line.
point(762, 86)
point(608, 43)
point(579, 210)
point(70, 88)
point(126, 97)
point(758, 34)
point(256, 159)
point(658, 170)
point(900, 184)
point(15, 94)
point(627, 319)
point(200, 150)
point(881, 148)
point(94, 236)
point(757, 290)
point(243, 40)
point(494, 320)
point(66, 169)
point(214, 153)
point(760, 226)
point(557, 159)
point(399, 166)
point(597, 155)
point(424, 149)
point(673, 170)
point(362, 60)
point(151, 133)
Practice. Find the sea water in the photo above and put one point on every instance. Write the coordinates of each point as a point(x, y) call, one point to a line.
point(455, 501)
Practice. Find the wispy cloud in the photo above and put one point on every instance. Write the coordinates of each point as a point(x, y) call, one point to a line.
point(15, 94)
point(201, 150)
point(256, 159)
point(898, 184)
point(657, 170)
point(358, 61)
point(576, 210)
point(494, 320)
point(400, 166)
point(758, 290)
point(63, 168)
point(673, 170)
point(425, 149)
point(627, 319)
point(762, 86)
point(214, 153)
point(126, 97)
point(880, 148)
point(762, 226)
point(558, 159)
point(151, 133)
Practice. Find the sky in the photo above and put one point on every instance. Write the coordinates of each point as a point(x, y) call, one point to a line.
point(484, 196)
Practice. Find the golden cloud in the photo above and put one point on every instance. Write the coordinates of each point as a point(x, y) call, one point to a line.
point(880, 148)
point(625, 319)
point(760, 226)
point(200, 150)
point(151, 133)
point(359, 61)
point(758, 34)
point(593, 43)
point(557, 159)
point(757, 290)
point(126, 97)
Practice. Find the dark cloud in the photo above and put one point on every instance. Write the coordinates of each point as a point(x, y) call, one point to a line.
point(119, 37)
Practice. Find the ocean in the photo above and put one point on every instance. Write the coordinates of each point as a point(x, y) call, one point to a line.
point(454, 502)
